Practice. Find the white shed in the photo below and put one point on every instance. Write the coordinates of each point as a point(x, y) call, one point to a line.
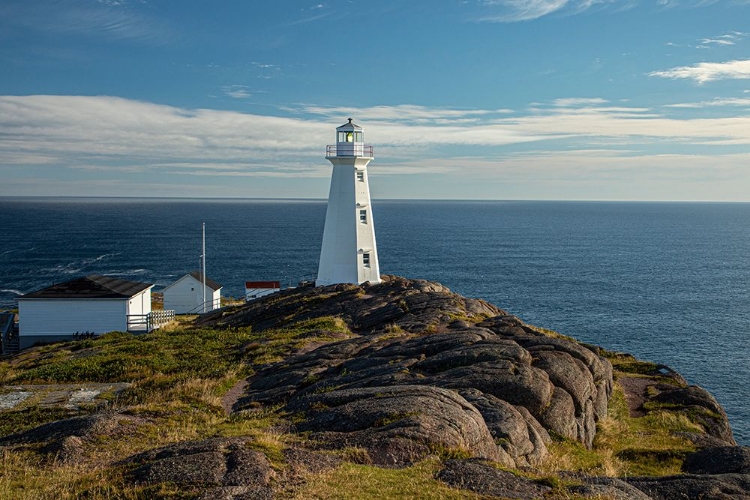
point(90, 305)
point(185, 295)
point(257, 289)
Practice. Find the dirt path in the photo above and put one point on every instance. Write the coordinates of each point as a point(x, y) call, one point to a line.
point(636, 393)
point(231, 397)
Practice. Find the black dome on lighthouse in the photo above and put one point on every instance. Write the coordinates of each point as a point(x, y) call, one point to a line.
point(349, 126)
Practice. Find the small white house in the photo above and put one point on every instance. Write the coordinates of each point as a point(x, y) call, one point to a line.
point(255, 289)
point(90, 305)
point(185, 295)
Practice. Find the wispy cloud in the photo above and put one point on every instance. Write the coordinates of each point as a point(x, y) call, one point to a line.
point(716, 41)
point(237, 91)
point(80, 130)
point(578, 102)
point(508, 11)
point(727, 39)
point(108, 19)
point(265, 70)
point(708, 71)
point(402, 113)
point(311, 14)
point(718, 102)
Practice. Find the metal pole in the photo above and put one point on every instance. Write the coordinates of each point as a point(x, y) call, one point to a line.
point(203, 271)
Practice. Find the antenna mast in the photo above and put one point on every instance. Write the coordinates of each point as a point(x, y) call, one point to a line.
point(203, 268)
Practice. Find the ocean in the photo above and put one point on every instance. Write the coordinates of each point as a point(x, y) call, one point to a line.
point(667, 282)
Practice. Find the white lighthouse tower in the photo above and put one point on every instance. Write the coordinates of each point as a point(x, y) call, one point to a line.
point(349, 253)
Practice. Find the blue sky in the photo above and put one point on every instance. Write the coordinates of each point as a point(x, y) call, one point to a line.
point(472, 99)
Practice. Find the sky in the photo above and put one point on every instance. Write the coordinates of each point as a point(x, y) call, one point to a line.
point(461, 99)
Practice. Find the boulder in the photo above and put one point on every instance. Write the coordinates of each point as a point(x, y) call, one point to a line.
point(482, 478)
point(396, 425)
point(510, 428)
point(722, 460)
point(702, 408)
point(67, 440)
point(218, 468)
point(714, 487)
point(610, 488)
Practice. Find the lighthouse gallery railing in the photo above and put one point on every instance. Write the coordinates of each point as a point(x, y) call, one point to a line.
point(349, 150)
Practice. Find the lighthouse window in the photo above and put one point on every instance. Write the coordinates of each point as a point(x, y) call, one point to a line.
point(363, 216)
point(361, 176)
point(366, 259)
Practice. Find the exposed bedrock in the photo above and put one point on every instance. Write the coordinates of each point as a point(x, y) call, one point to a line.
point(516, 382)
point(397, 425)
point(218, 467)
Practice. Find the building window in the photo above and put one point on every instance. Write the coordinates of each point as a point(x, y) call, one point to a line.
point(366, 259)
point(363, 216)
point(361, 176)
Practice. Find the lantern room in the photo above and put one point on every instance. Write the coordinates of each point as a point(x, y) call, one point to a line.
point(350, 139)
point(350, 132)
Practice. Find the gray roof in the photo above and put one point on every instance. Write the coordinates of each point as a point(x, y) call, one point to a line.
point(349, 126)
point(209, 282)
point(91, 287)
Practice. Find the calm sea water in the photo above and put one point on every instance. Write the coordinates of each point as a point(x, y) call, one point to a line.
point(668, 282)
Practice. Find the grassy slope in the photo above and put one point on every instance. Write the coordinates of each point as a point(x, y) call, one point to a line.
point(178, 377)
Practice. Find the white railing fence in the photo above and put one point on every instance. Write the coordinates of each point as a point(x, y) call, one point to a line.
point(150, 321)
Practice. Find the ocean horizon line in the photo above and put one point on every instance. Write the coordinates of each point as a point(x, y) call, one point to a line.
point(7, 198)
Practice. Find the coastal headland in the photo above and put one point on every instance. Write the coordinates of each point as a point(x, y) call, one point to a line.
point(397, 390)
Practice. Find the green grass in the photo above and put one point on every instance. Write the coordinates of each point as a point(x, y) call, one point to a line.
point(627, 446)
point(365, 482)
point(123, 357)
point(626, 363)
point(274, 345)
point(645, 445)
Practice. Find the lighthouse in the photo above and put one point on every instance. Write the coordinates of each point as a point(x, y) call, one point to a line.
point(349, 253)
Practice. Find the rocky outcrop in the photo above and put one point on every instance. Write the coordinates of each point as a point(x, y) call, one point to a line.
point(720, 460)
point(509, 384)
point(487, 480)
point(397, 425)
point(725, 481)
point(411, 305)
point(481, 477)
point(219, 468)
point(224, 468)
point(714, 487)
point(720, 473)
point(701, 406)
point(66, 440)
